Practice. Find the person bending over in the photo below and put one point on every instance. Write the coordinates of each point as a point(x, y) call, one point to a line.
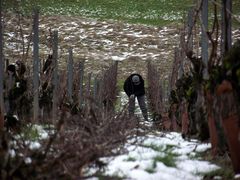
point(134, 88)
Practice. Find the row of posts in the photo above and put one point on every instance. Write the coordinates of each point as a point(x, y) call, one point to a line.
point(55, 78)
point(226, 40)
point(1, 71)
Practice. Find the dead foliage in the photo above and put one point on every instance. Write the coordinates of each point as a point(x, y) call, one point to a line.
point(77, 143)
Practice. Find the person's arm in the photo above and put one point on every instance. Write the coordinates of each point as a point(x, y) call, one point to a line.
point(127, 87)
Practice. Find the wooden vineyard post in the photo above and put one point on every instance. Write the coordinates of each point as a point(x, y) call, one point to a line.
point(174, 74)
point(70, 75)
point(190, 25)
point(226, 26)
point(81, 75)
point(55, 76)
point(88, 90)
point(1, 71)
point(181, 54)
point(96, 89)
point(36, 66)
point(204, 39)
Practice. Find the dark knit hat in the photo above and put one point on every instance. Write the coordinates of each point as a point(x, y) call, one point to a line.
point(136, 79)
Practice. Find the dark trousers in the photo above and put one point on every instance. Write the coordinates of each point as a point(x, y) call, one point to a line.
point(142, 105)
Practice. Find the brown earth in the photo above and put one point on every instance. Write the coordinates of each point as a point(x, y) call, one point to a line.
point(99, 43)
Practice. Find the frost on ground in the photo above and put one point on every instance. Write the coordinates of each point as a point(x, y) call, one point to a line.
point(163, 157)
point(159, 156)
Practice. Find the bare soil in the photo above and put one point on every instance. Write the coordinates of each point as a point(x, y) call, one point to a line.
point(97, 42)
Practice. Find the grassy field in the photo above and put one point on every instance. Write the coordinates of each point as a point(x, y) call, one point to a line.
point(151, 12)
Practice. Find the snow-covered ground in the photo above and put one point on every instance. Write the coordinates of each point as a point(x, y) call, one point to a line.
point(156, 156)
point(160, 156)
point(143, 162)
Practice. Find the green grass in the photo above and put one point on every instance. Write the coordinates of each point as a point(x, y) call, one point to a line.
point(130, 159)
point(151, 12)
point(104, 177)
point(168, 159)
point(166, 156)
point(30, 133)
point(34, 132)
point(224, 162)
point(224, 173)
point(150, 170)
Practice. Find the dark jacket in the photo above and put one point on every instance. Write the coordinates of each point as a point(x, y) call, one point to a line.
point(130, 88)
